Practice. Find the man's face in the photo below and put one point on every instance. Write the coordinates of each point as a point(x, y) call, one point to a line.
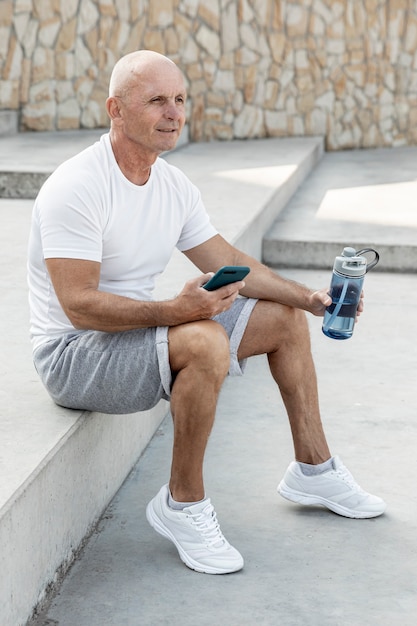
point(153, 109)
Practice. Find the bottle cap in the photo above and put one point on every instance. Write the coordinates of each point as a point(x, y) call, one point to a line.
point(349, 264)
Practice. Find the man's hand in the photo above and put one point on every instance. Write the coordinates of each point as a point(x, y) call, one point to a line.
point(196, 303)
point(320, 300)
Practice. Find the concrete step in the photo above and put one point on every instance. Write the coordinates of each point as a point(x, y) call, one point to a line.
point(60, 468)
point(360, 198)
point(27, 159)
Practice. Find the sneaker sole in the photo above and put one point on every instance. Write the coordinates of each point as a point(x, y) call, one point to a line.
point(308, 500)
point(160, 528)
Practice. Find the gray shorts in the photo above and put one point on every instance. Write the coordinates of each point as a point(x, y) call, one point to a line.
point(122, 372)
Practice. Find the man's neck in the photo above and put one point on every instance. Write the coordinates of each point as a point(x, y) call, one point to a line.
point(134, 164)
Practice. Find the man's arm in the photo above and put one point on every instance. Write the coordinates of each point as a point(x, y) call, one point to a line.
point(76, 284)
point(261, 282)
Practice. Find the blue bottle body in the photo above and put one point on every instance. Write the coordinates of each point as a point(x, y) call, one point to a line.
point(339, 317)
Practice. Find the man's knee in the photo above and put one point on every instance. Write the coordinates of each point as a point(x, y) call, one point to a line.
point(270, 326)
point(295, 319)
point(204, 344)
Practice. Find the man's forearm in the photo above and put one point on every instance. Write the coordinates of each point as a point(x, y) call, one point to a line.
point(265, 284)
point(108, 312)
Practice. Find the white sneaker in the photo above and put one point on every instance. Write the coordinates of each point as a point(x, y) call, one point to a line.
point(196, 534)
point(336, 489)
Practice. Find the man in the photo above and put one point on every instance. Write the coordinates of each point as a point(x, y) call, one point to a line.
point(104, 226)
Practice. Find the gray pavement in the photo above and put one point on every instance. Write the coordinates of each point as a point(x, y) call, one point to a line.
point(303, 566)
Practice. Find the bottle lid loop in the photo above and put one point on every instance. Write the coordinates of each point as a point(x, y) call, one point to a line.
point(375, 260)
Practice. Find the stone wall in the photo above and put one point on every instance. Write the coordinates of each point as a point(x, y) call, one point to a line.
point(346, 69)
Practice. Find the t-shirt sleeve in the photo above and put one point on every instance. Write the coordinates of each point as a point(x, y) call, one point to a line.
point(69, 220)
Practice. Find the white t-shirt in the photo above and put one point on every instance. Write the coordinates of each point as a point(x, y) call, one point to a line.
point(88, 209)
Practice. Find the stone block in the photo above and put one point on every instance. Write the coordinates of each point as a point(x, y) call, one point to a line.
point(68, 115)
point(48, 32)
point(9, 94)
point(30, 38)
point(20, 22)
point(249, 123)
point(209, 13)
point(411, 35)
point(43, 66)
point(224, 81)
point(136, 35)
point(250, 79)
point(65, 66)
point(296, 21)
point(153, 40)
point(87, 17)
point(161, 13)
point(230, 28)
point(209, 40)
point(68, 9)
point(43, 9)
point(38, 116)
point(271, 93)
point(221, 131)
point(316, 122)
point(6, 13)
point(277, 43)
point(82, 56)
point(21, 6)
point(25, 81)
point(123, 10)
point(8, 123)
point(276, 123)
point(66, 36)
point(171, 41)
point(136, 10)
point(13, 66)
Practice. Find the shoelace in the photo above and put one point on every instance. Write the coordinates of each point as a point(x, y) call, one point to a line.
point(347, 477)
point(208, 527)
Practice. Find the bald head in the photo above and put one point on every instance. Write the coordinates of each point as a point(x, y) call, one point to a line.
point(133, 67)
point(146, 107)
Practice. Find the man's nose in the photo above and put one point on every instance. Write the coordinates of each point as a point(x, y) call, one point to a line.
point(173, 111)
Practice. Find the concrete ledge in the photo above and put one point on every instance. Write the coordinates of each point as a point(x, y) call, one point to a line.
point(60, 468)
point(27, 159)
point(360, 198)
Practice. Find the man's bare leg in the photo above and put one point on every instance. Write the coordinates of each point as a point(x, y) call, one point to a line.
point(282, 333)
point(199, 358)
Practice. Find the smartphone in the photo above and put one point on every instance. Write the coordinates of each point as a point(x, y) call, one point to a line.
point(225, 275)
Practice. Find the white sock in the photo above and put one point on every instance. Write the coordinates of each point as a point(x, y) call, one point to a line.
point(179, 506)
point(315, 470)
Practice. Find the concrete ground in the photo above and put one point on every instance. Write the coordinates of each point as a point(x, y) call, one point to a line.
point(303, 566)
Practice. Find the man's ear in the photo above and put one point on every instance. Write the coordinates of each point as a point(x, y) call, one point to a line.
point(113, 109)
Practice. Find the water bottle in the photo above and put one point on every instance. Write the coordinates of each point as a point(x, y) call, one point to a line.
point(349, 271)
